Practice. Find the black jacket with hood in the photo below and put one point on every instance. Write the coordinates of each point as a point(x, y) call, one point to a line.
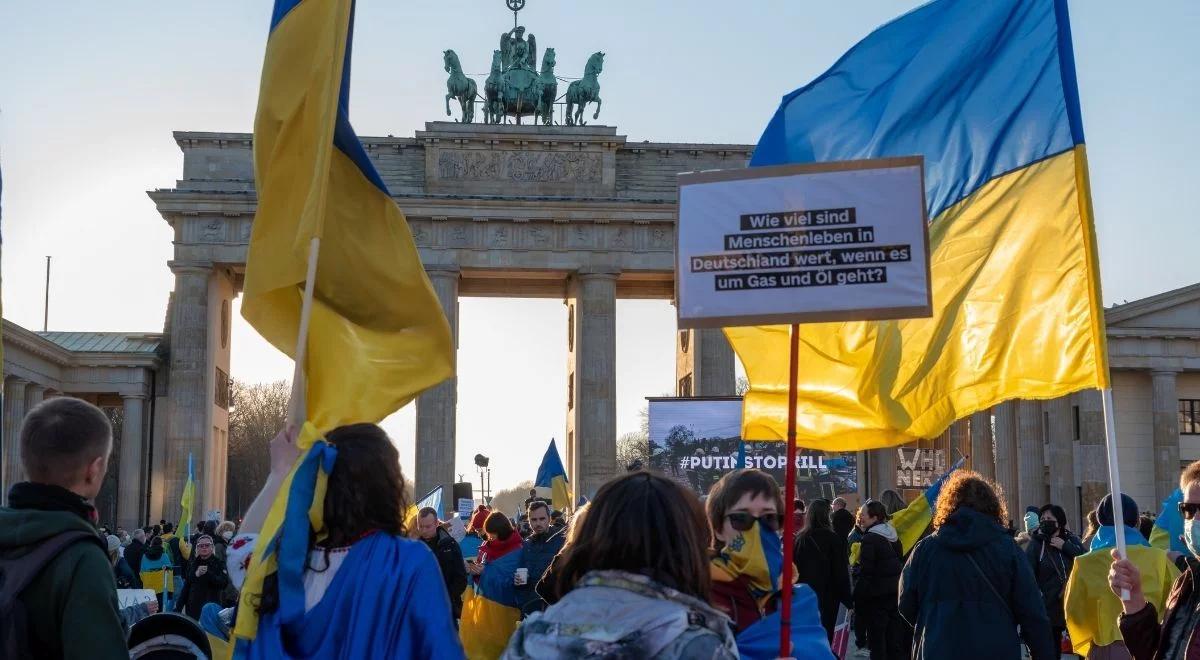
point(960, 611)
point(877, 573)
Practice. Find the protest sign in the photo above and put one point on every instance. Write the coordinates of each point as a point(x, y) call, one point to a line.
point(803, 243)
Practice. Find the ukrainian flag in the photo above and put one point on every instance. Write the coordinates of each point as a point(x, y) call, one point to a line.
point(551, 474)
point(911, 521)
point(187, 501)
point(491, 610)
point(986, 92)
point(1168, 527)
point(377, 333)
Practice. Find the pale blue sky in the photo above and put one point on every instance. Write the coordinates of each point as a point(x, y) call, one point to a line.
point(90, 92)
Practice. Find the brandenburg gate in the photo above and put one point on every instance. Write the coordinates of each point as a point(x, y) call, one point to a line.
point(506, 210)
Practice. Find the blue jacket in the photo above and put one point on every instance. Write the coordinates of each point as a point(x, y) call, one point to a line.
point(539, 551)
point(950, 603)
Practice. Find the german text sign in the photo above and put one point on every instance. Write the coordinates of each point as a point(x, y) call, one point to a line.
point(803, 243)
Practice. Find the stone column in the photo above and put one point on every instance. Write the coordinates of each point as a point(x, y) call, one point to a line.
point(591, 360)
point(1006, 454)
point(883, 470)
point(1093, 457)
point(982, 459)
point(437, 406)
point(14, 413)
point(704, 363)
point(188, 384)
point(960, 441)
point(1165, 404)
point(1031, 456)
point(1062, 458)
point(131, 487)
point(34, 394)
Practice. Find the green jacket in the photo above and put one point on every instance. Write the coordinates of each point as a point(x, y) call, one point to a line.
point(72, 606)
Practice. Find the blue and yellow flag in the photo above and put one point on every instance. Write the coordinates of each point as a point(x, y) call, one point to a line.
point(986, 92)
point(1167, 532)
point(911, 521)
point(491, 609)
point(432, 500)
point(187, 501)
point(551, 474)
point(377, 334)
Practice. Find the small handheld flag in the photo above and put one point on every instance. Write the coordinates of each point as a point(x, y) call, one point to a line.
point(551, 474)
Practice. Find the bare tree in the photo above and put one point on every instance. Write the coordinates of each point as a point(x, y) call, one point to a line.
point(256, 413)
point(512, 500)
point(742, 386)
point(633, 451)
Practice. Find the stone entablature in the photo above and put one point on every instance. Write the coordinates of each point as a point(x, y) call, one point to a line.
point(33, 358)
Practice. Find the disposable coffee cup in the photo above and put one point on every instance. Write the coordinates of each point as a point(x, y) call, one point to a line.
point(521, 576)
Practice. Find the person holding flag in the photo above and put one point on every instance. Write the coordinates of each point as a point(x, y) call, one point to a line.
point(327, 239)
point(1174, 634)
point(362, 589)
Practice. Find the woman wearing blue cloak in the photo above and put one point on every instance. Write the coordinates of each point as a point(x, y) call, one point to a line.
point(363, 590)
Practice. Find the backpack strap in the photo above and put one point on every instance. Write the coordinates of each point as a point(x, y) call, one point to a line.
point(17, 573)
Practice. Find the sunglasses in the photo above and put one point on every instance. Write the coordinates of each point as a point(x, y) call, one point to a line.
point(204, 545)
point(742, 522)
point(1189, 509)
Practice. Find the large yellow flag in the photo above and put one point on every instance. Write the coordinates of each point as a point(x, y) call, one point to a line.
point(378, 335)
point(986, 92)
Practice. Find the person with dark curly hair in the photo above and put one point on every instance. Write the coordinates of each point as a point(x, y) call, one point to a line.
point(968, 589)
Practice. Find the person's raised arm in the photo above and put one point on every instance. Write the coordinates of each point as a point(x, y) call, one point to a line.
point(283, 457)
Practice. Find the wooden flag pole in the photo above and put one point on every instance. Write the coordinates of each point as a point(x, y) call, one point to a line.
point(297, 405)
point(789, 486)
point(1114, 476)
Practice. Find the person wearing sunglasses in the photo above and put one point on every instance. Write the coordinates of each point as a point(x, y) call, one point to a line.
point(204, 579)
point(1176, 637)
point(744, 509)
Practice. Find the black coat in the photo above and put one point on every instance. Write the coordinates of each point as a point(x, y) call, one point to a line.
point(540, 550)
point(843, 522)
point(877, 574)
point(1051, 568)
point(454, 571)
point(822, 563)
point(133, 555)
point(203, 589)
point(960, 611)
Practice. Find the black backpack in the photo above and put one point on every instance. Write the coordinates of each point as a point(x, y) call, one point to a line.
point(15, 576)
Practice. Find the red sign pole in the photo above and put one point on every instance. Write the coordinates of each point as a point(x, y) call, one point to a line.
point(789, 490)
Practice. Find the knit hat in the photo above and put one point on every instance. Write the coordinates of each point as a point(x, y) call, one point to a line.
point(1129, 510)
point(113, 543)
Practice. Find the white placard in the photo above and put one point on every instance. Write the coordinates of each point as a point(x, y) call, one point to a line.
point(465, 507)
point(803, 243)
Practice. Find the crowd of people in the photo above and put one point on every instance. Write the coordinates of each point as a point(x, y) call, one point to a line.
point(646, 569)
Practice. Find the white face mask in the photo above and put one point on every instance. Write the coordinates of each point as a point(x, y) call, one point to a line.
point(226, 535)
point(1189, 537)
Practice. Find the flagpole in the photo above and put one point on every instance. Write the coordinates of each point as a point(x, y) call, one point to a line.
point(297, 405)
point(789, 485)
point(1114, 475)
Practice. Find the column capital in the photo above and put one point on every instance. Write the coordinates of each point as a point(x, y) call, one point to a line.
point(446, 271)
point(15, 381)
point(195, 267)
point(598, 272)
point(141, 395)
point(1164, 373)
